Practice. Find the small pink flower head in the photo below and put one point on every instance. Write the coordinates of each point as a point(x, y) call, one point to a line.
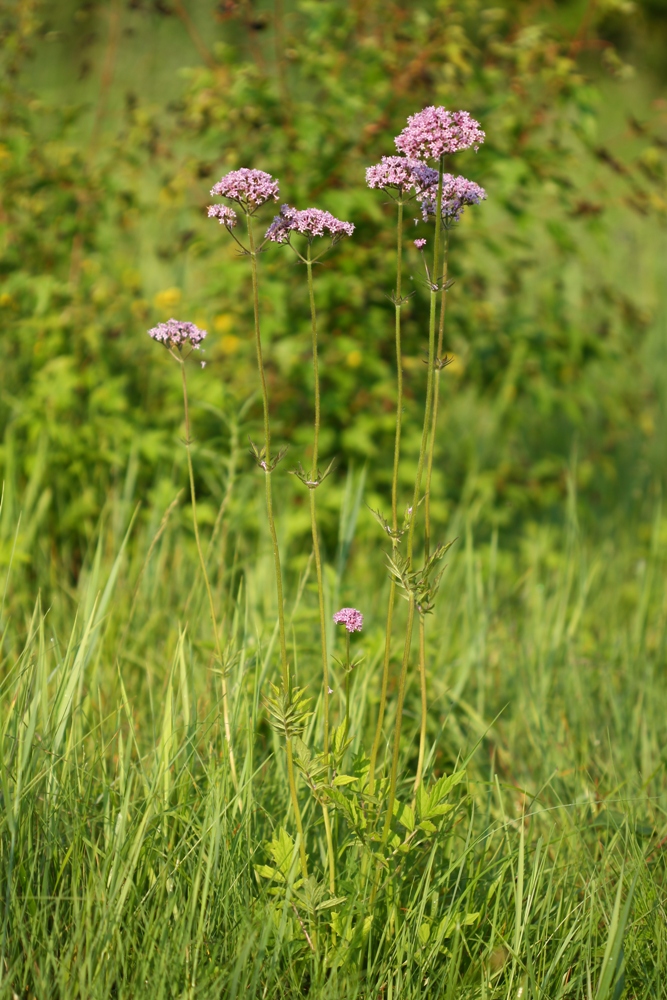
point(457, 192)
point(420, 244)
point(402, 173)
point(226, 216)
point(250, 188)
point(435, 131)
point(352, 619)
point(310, 222)
point(175, 333)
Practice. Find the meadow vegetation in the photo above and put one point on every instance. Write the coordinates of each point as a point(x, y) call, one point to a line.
point(149, 833)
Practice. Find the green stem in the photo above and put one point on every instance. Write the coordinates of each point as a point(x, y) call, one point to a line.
point(435, 276)
point(313, 518)
point(318, 560)
point(436, 395)
point(435, 279)
point(422, 687)
point(202, 562)
point(348, 672)
point(427, 511)
point(399, 719)
point(394, 500)
point(274, 540)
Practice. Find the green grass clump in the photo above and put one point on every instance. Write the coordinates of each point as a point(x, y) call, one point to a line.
point(131, 867)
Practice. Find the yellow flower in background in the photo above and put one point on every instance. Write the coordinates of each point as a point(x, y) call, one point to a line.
point(230, 344)
point(455, 366)
point(354, 359)
point(167, 300)
point(223, 323)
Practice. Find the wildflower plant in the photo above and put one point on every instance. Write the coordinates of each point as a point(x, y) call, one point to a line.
point(181, 339)
point(250, 189)
point(361, 790)
point(314, 224)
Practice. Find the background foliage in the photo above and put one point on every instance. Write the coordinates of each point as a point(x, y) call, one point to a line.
point(117, 118)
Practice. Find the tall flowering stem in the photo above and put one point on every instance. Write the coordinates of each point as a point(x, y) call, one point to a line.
point(274, 539)
point(207, 582)
point(311, 491)
point(177, 336)
point(404, 175)
point(313, 223)
point(394, 497)
point(318, 559)
point(427, 512)
point(439, 365)
point(435, 284)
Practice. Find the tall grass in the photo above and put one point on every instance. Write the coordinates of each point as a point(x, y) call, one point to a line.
point(129, 861)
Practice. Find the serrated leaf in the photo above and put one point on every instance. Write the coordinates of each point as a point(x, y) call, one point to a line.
point(404, 815)
point(267, 872)
point(343, 779)
point(442, 788)
point(329, 903)
point(441, 810)
point(281, 849)
point(427, 827)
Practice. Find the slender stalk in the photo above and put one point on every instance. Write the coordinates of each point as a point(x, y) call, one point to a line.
point(202, 562)
point(435, 278)
point(274, 539)
point(399, 719)
point(348, 673)
point(318, 560)
point(435, 281)
point(424, 706)
point(313, 518)
point(436, 395)
point(427, 510)
point(394, 500)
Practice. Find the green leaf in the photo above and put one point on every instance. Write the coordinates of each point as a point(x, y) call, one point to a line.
point(267, 872)
point(343, 779)
point(282, 850)
point(441, 790)
point(405, 815)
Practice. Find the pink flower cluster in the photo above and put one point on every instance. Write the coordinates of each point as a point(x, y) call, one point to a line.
point(310, 222)
point(420, 244)
point(402, 173)
point(175, 333)
point(457, 192)
point(435, 131)
point(352, 619)
point(250, 188)
point(226, 216)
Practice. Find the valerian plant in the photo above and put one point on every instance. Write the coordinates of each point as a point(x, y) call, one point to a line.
point(368, 817)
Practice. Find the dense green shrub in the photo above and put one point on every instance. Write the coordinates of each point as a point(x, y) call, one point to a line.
point(117, 119)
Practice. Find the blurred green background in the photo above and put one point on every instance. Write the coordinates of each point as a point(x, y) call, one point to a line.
point(118, 116)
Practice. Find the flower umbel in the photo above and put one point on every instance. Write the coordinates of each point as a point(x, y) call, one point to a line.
point(250, 188)
point(420, 244)
point(435, 131)
point(226, 216)
point(176, 333)
point(402, 173)
point(352, 619)
point(457, 192)
point(310, 222)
